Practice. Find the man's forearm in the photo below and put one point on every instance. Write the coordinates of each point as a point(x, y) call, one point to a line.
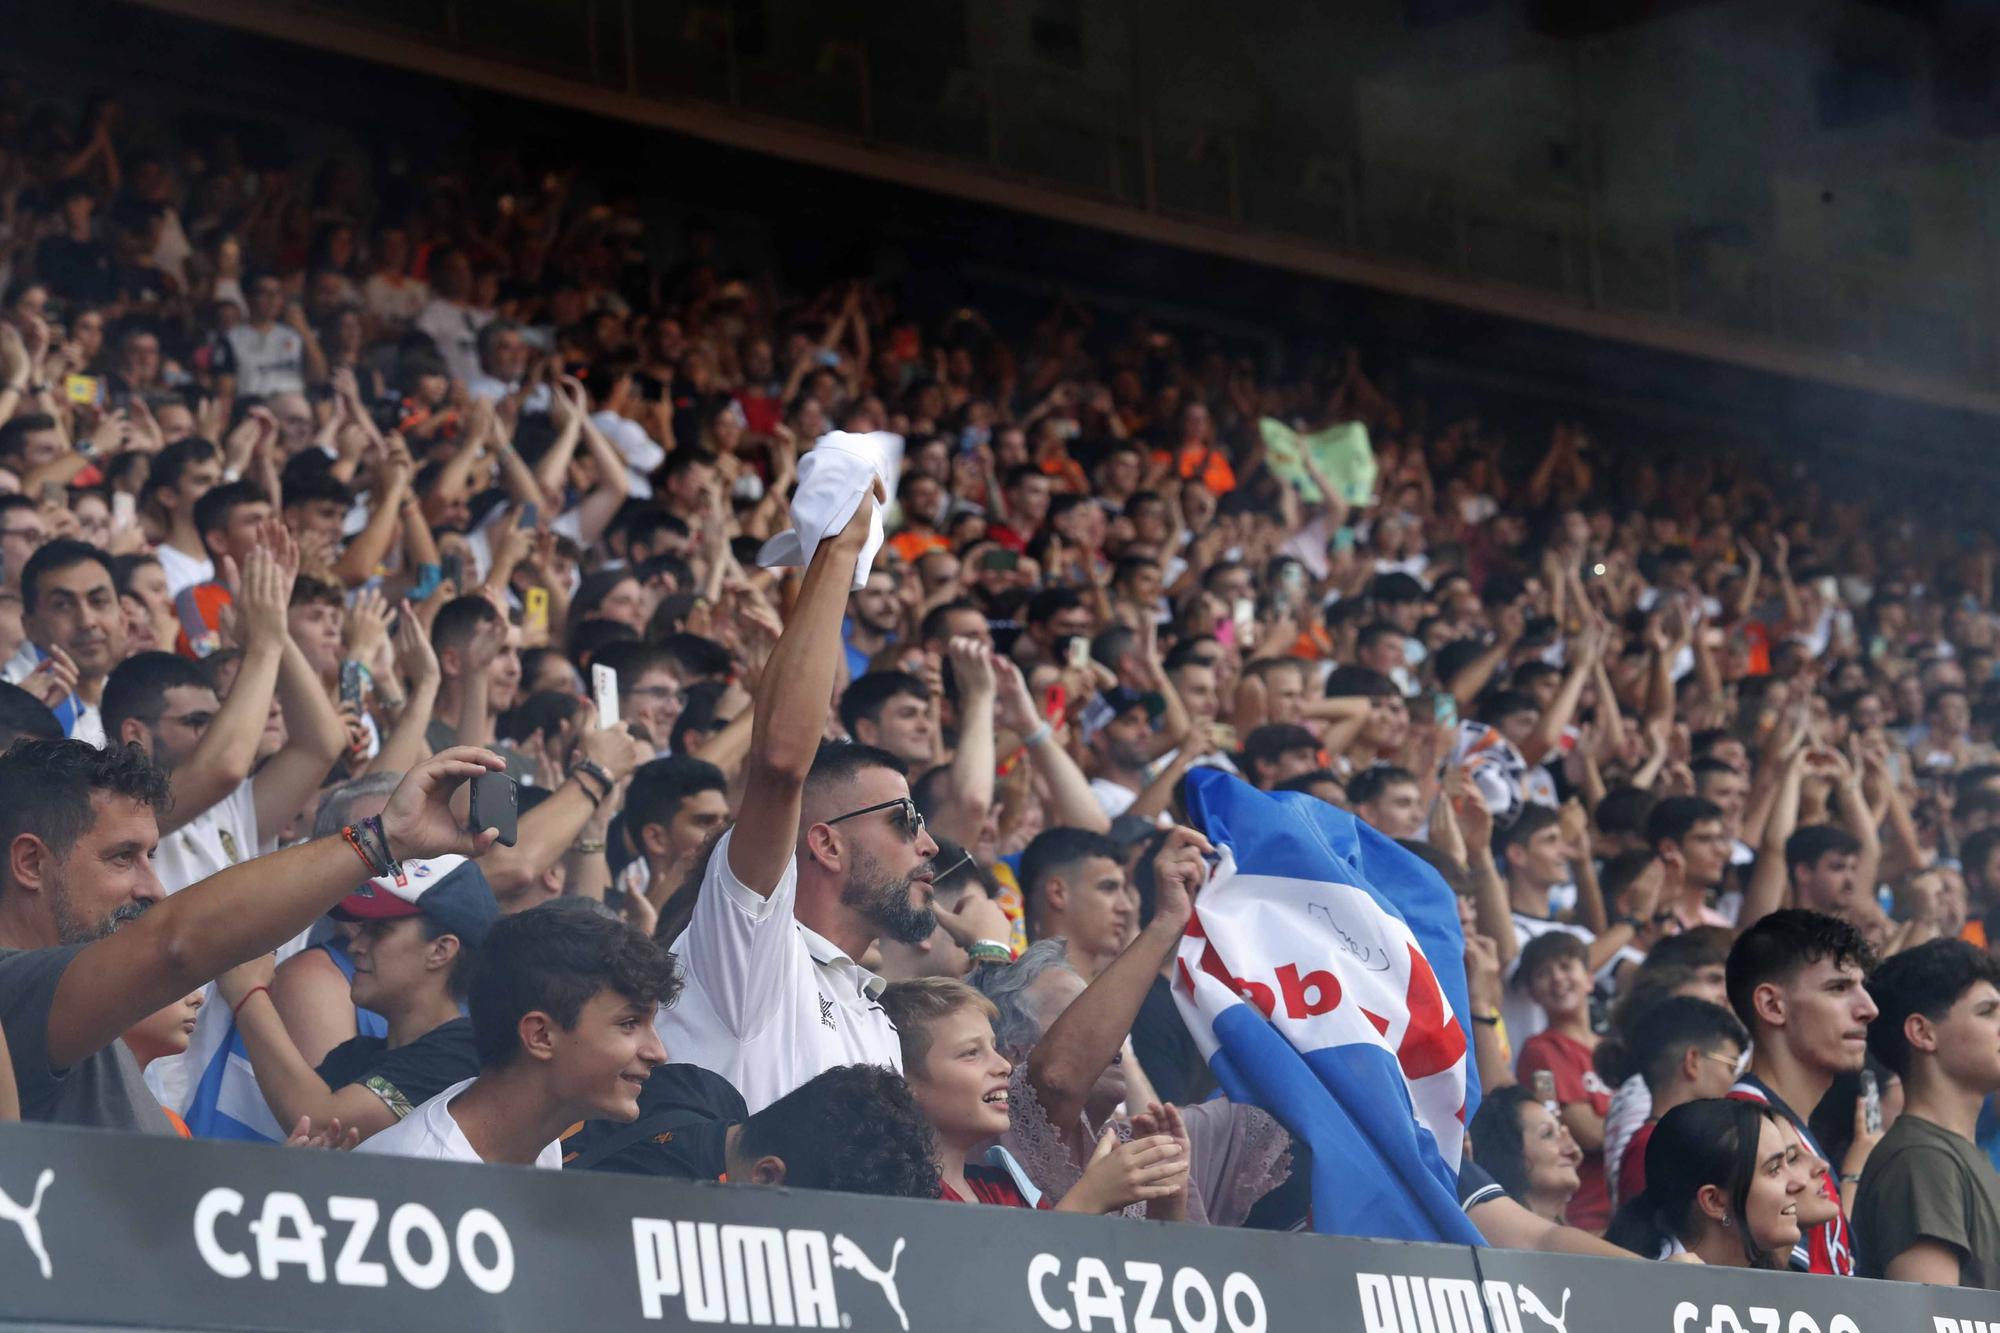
point(1071, 803)
point(1078, 1046)
point(545, 833)
point(229, 747)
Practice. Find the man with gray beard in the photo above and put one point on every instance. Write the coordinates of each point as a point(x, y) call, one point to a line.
point(829, 855)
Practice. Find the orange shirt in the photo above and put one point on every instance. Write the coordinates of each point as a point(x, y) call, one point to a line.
point(912, 545)
point(1204, 463)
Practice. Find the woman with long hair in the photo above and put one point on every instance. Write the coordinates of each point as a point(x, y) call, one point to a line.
point(1719, 1189)
point(1528, 1151)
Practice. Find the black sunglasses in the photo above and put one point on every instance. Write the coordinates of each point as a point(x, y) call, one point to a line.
point(908, 816)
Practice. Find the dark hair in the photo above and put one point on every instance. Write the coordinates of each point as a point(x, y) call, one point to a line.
point(632, 659)
point(22, 714)
point(932, 629)
point(1777, 947)
point(14, 434)
point(1546, 950)
point(839, 762)
point(852, 1128)
point(170, 462)
point(659, 787)
point(1049, 603)
point(1675, 817)
point(1532, 820)
point(1305, 782)
point(1349, 682)
point(306, 480)
point(593, 636)
point(1708, 1142)
point(1807, 845)
point(137, 687)
point(211, 512)
point(46, 786)
point(1927, 980)
point(1497, 1144)
point(459, 619)
point(1371, 782)
point(1625, 810)
point(554, 959)
point(867, 695)
point(1272, 741)
point(1373, 633)
point(1664, 1033)
point(1976, 851)
point(1056, 848)
point(53, 558)
point(1695, 947)
point(545, 711)
point(1500, 705)
point(694, 656)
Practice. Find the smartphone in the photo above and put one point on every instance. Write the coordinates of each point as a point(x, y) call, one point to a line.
point(124, 508)
point(54, 493)
point(1543, 1084)
point(454, 573)
point(1444, 708)
point(604, 688)
point(83, 390)
point(1343, 539)
point(1225, 736)
point(1871, 1102)
point(1055, 702)
point(350, 683)
point(530, 514)
point(495, 804)
point(1079, 653)
point(1244, 614)
point(535, 611)
point(1000, 562)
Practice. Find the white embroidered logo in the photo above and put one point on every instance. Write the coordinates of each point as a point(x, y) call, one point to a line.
point(29, 1219)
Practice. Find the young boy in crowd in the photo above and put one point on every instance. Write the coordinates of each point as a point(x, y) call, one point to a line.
point(562, 1001)
point(1928, 1209)
point(1555, 972)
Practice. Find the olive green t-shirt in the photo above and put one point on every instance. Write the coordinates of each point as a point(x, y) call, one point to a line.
point(1924, 1182)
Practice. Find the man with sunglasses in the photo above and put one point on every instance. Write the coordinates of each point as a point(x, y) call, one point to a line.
point(828, 854)
point(220, 815)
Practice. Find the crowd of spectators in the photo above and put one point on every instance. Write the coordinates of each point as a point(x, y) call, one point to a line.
point(325, 485)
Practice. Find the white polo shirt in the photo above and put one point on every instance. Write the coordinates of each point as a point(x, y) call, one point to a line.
point(432, 1134)
point(766, 1002)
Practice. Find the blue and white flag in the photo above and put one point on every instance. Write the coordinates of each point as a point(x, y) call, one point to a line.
point(1322, 976)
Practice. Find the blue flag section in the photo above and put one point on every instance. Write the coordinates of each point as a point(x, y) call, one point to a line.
point(1323, 978)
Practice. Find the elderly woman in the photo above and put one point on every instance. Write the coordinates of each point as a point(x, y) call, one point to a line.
point(1070, 1076)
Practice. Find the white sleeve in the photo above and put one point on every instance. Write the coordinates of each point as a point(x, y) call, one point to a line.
point(739, 945)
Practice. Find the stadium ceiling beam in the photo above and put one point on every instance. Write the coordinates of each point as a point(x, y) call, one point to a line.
point(795, 141)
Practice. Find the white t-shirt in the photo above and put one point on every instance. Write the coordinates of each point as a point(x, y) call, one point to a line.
point(431, 1133)
point(1113, 798)
point(1523, 1017)
point(221, 836)
point(768, 1003)
point(182, 570)
point(273, 361)
point(454, 328)
point(642, 453)
point(394, 299)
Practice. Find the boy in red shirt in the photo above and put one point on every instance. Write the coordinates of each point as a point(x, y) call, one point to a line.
point(1555, 971)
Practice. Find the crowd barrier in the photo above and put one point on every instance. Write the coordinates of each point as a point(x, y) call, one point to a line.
point(106, 1230)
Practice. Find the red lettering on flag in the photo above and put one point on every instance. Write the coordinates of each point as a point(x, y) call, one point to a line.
point(1314, 993)
point(1434, 1041)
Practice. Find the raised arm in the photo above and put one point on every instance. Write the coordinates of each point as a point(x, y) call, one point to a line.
point(1078, 1046)
point(232, 916)
point(227, 749)
point(973, 665)
point(1070, 801)
point(790, 709)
